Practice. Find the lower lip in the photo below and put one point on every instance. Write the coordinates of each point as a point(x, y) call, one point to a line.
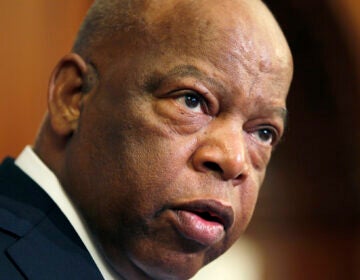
point(195, 228)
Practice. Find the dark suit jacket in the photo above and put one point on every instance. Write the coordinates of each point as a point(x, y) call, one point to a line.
point(36, 239)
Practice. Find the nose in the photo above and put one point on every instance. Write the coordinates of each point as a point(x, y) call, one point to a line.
point(225, 154)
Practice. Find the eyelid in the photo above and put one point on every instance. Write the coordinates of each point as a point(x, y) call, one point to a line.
point(277, 135)
point(175, 84)
point(208, 99)
point(203, 103)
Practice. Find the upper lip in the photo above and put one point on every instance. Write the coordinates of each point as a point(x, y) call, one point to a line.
point(214, 209)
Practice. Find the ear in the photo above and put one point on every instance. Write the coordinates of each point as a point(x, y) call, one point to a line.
point(65, 94)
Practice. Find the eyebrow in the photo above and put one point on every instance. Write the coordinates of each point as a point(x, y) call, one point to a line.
point(156, 79)
point(185, 70)
point(279, 111)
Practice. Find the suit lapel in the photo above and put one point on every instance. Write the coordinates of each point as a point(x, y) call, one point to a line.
point(47, 246)
point(53, 251)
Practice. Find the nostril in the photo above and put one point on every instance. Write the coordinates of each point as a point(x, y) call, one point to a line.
point(213, 166)
point(238, 179)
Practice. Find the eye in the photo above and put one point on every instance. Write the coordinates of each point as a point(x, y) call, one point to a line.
point(193, 101)
point(266, 135)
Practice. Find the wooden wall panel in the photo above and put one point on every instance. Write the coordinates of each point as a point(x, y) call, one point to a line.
point(348, 13)
point(34, 35)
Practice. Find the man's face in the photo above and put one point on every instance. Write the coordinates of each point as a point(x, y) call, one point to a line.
point(173, 144)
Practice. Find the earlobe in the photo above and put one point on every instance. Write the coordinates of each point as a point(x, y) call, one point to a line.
point(65, 94)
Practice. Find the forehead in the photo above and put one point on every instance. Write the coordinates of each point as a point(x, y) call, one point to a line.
point(241, 30)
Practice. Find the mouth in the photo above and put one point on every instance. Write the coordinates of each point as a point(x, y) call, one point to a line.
point(203, 221)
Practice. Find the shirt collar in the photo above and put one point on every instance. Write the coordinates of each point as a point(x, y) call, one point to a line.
point(32, 165)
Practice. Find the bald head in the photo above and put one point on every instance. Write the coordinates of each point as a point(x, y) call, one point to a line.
point(153, 23)
point(106, 20)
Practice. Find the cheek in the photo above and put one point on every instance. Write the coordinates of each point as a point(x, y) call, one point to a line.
point(244, 199)
point(246, 195)
point(142, 160)
point(259, 156)
point(178, 119)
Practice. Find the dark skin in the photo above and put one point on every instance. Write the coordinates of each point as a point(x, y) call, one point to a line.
point(166, 153)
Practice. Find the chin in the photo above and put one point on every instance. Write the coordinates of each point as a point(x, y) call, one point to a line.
point(173, 266)
point(173, 273)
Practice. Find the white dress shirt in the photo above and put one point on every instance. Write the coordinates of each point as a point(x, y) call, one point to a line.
point(32, 165)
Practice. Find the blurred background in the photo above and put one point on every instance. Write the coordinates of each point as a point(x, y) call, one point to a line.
point(307, 222)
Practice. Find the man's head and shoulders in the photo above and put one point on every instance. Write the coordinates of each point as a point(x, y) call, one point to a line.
point(161, 124)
